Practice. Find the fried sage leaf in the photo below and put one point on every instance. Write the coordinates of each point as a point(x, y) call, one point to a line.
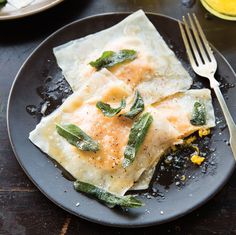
point(136, 108)
point(3, 3)
point(110, 58)
point(136, 137)
point(75, 136)
point(107, 110)
point(109, 199)
point(199, 114)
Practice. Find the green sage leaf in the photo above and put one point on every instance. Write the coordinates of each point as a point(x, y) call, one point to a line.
point(199, 114)
point(75, 136)
point(136, 108)
point(3, 3)
point(109, 199)
point(136, 137)
point(110, 58)
point(107, 110)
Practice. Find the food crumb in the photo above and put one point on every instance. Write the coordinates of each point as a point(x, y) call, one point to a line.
point(190, 140)
point(197, 151)
point(77, 204)
point(177, 183)
point(204, 132)
point(183, 178)
point(197, 159)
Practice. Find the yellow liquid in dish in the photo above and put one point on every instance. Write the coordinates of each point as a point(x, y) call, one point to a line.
point(225, 9)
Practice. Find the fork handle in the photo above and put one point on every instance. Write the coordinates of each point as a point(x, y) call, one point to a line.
point(228, 117)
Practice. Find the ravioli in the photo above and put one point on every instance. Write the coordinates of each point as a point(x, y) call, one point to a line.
point(104, 168)
point(178, 110)
point(156, 72)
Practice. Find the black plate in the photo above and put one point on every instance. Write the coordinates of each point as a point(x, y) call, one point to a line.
point(168, 204)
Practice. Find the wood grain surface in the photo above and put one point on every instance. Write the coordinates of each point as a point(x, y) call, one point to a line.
point(26, 211)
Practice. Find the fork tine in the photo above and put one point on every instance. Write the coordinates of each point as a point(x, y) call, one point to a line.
point(208, 48)
point(192, 43)
point(198, 40)
point(187, 46)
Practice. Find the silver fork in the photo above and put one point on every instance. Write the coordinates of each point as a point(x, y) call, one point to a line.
point(204, 64)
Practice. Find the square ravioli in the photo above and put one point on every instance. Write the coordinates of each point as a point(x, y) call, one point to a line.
point(155, 72)
point(178, 111)
point(104, 168)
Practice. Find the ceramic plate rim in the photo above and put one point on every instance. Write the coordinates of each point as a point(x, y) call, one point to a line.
point(32, 12)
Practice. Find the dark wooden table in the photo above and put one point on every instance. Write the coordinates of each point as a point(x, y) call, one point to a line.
point(25, 210)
